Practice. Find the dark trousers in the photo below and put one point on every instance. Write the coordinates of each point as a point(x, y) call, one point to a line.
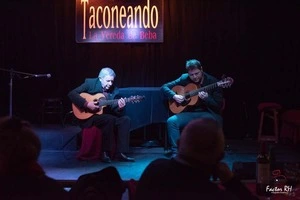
point(112, 126)
point(177, 122)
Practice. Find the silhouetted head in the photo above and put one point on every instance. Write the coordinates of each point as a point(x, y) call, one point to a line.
point(201, 142)
point(18, 144)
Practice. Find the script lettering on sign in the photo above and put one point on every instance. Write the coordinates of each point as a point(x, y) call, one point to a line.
point(103, 21)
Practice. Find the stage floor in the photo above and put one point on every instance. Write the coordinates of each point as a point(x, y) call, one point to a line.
point(58, 156)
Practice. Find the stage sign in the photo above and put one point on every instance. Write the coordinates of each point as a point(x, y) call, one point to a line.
point(119, 21)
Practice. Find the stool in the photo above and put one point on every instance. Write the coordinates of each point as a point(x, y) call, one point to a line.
point(291, 125)
point(91, 144)
point(268, 110)
point(52, 106)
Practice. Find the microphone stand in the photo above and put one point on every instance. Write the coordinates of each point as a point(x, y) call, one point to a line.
point(12, 73)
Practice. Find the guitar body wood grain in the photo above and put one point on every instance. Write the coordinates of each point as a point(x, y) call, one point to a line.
point(190, 92)
point(85, 114)
point(183, 90)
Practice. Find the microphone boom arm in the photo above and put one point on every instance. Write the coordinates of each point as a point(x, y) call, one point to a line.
point(12, 73)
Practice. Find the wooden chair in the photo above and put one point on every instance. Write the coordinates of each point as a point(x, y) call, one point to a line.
point(290, 128)
point(53, 107)
point(268, 110)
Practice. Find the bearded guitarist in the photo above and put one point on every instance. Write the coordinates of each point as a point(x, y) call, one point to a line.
point(188, 101)
point(107, 118)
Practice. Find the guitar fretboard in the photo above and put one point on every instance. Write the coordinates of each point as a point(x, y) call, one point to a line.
point(104, 102)
point(205, 88)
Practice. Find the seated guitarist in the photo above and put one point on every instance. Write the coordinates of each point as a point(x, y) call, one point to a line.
point(202, 104)
point(112, 117)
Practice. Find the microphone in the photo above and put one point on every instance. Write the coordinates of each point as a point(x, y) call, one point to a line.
point(42, 75)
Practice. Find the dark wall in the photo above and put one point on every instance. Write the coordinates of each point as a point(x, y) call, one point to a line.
point(255, 42)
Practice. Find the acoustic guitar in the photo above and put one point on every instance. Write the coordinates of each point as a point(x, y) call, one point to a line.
point(100, 100)
point(190, 93)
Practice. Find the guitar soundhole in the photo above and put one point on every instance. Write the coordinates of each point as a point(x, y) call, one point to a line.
point(96, 102)
point(100, 101)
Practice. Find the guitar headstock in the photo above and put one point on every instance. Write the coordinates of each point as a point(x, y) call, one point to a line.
point(225, 82)
point(135, 99)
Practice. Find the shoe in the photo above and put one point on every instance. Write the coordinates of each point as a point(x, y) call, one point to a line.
point(106, 158)
point(122, 157)
point(170, 152)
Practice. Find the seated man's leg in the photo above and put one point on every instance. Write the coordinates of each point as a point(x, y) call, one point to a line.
point(123, 127)
point(177, 122)
point(106, 123)
point(123, 135)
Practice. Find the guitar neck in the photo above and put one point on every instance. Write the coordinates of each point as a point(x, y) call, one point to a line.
point(111, 102)
point(205, 88)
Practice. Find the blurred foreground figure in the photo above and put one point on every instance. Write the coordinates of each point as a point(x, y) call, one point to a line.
point(21, 177)
point(187, 175)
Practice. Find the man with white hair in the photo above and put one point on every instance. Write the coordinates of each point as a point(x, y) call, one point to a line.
point(187, 175)
point(112, 118)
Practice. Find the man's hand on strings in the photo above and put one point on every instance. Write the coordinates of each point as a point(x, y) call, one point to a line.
point(92, 106)
point(178, 98)
point(203, 95)
point(121, 103)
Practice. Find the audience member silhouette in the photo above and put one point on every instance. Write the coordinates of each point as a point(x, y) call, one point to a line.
point(105, 184)
point(21, 177)
point(188, 174)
